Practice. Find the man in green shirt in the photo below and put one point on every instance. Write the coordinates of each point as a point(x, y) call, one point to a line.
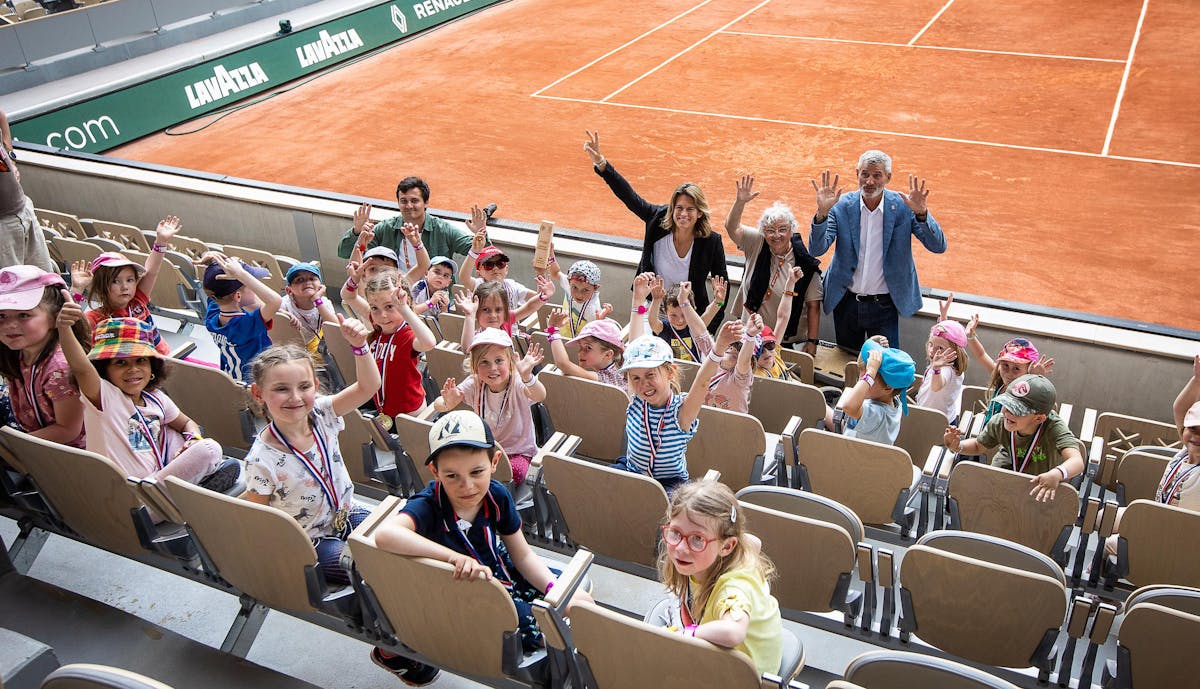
point(439, 236)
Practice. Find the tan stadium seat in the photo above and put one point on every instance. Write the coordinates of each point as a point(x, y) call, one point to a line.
point(1152, 644)
point(997, 551)
point(623, 652)
point(974, 399)
point(1014, 625)
point(728, 442)
point(539, 337)
point(359, 444)
point(222, 406)
point(65, 224)
point(901, 670)
point(843, 684)
point(1138, 474)
point(87, 676)
point(799, 363)
point(586, 493)
point(262, 259)
point(190, 247)
point(921, 430)
point(105, 243)
point(433, 614)
point(450, 325)
point(816, 559)
point(1121, 433)
point(283, 331)
point(993, 501)
point(340, 359)
point(446, 361)
point(775, 402)
point(1158, 544)
point(1182, 598)
point(591, 410)
point(86, 491)
point(802, 504)
point(166, 296)
point(71, 250)
point(871, 479)
point(128, 236)
point(413, 435)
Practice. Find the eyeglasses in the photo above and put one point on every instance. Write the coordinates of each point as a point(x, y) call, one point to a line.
point(696, 543)
point(777, 230)
point(492, 265)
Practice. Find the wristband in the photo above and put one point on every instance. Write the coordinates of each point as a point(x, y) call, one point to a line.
point(690, 630)
point(548, 587)
point(868, 378)
point(551, 330)
point(362, 248)
point(77, 297)
point(351, 285)
point(361, 351)
point(713, 356)
point(720, 304)
point(551, 260)
point(543, 298)
point(553, 337)
point(529, 382)
point(419, 247)
point(937, 371)
point(188, 435)
point(641, 310)
point(472, 254)
point(318, 301)
point(1065, 475)
point(429, 305)
point(159, 248)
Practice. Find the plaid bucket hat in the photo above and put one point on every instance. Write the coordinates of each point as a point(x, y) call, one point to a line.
point(123, 338)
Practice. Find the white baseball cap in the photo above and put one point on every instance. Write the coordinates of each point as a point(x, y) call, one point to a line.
point(460, 428)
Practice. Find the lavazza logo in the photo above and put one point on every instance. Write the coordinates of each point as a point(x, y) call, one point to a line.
point(224, 83)
point(327, 46)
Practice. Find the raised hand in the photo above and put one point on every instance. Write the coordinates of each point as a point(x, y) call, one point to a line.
point(477, 222)
point(320, 293)
point(367, 235)
point(745, 189)
point(557, 319)
point(533, 357)
point(411, 232)
point(232, 267)
point(916, 196)
point(167, 228)
point(354, 330)
point(451, 395)
point(729, 333)
point(828, 193)
point(362, 219)
point(467, 306)
point(545, 287)
point(720, 287)
point(208, 257)
point(754, 326)
point(605, 311)
point(874, 361)
point(1045, 485)
point(1044, 366)
point(81, 277)
point(355, 271)
point(685, 293)
point(972, 325)
point(1196, 367)
point(402, 297)
point(882, 340)
point(592, 148)
point(658, 288)
point(70, 313)
point(943, 357)
point(794, 276)
point(944, 307)
point(641, 288)
point(952, 438)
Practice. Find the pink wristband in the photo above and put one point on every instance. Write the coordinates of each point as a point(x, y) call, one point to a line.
point(690, 630)
point(361, 351)
point(548, 587)
point(1064, 473)
point(318, 301)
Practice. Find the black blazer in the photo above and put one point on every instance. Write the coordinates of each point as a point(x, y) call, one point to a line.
point(708, 253)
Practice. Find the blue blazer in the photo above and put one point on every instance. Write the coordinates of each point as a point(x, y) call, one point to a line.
point(900, 225)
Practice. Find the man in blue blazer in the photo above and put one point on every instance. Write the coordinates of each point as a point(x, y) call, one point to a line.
point(872, 280)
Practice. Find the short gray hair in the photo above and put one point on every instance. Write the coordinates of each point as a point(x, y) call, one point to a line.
point(874, 157)
point(776, 212)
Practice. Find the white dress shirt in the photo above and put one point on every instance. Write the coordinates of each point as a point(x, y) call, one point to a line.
point(868, 276)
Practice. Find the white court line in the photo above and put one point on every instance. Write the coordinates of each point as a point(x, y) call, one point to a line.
point(1112, 124)
point(688, 49)
point(924, 47)
point(931, 21)
point(621, 47)
point(881, 132)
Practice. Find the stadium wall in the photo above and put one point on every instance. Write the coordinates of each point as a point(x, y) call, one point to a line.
point(1129, 367)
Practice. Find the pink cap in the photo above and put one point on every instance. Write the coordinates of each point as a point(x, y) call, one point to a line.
point(606, 330)
point(1192, 417)
point(1018, 350)
point(491, 336)
point(112, 259)
point(951, 331)
point(22, 287)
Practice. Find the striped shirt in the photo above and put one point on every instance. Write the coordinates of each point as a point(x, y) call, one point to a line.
point(655, 445)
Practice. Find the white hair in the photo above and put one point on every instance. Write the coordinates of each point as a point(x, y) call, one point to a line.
point(776, 212)
point(874, 157)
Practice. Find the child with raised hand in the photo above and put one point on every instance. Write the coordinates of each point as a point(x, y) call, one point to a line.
point(731, 385)
point(416, 259)
point(467, 519)
point(1016, 358)
point(1030, 435)
point(398, 337)
point(44, 397)
point(942, 385)
point(500, 388)
point(120, 288)
point(239, 312)
point(600, 349)
point(680, 331)
point(296, 463)
point(126, 417)
point(581, 285)
point(491, 307)
point(431, 294)
point(492, 266)
point(717, 570)
point(304, 304)
point(871, 408)
point(661, 420)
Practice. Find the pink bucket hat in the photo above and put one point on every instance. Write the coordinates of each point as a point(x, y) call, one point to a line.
point(491, 336)
point(606, 330)
point(1192, 417)
point(951, 331)
point(1018, 350)
point(22, 287)
point(112, 259)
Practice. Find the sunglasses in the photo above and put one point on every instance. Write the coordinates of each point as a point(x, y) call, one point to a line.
point(492, 265)
point(768, 346)
point(696, 543)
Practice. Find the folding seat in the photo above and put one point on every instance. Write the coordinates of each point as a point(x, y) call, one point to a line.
point(1138, 473)
point(974, 399)
point(105, 244)
point(72, 250)
point(190, 247)
point(1157, 634)
point(802, 504)
point(872, 479)
point(1157, 544)
point(775, 402)
point(445, 361)
point(1120, 433)
point(222, 406)
point(591, 410)
point(172, 295)
point(412, 433)
point(65, 224)
point(361, 442)
point(993, 501)
point(262, 259)
point(731, 443)
point(1014, 626)
point(88, 676)
point(800, 364)
point(339, 358)
point(921, 430)
point(466, 629)
point(450, 326)
point(283, 331)
point(127, 236)
point(901, 670)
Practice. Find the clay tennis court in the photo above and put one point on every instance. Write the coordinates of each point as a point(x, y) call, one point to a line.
point(1059, 138)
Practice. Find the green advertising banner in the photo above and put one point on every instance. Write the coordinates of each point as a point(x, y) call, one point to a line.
point(110, 120)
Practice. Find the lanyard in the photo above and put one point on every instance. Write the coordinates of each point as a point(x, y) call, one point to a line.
point(482, 405)
point(1172, 485)
point(1012, 439)
point(716, 379)
point(488, 534)
point(651, 443)
point(576, 325)
point(32, 396)
point(158, 445)
point(690, 349)
point(327, 486)
point(775, 273)
point(383, 356)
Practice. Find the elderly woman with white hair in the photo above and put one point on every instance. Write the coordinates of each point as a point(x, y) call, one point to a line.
point(772, 249)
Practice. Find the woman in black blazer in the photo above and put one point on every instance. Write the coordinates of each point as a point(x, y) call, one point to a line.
point(682, 226)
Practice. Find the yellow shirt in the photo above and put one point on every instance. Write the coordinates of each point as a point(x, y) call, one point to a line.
point(778, 368)
point(745, 591)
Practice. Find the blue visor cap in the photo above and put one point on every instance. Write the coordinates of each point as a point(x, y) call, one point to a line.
point(897, 370)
